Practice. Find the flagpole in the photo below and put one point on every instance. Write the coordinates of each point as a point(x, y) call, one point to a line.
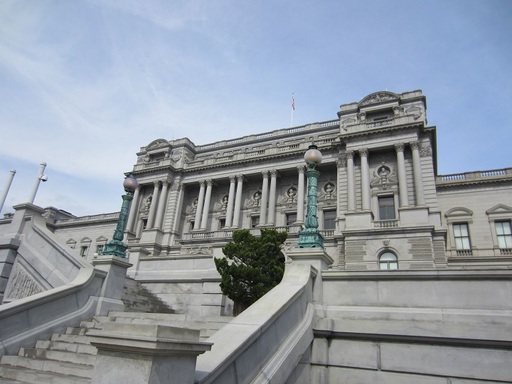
point(293, 109)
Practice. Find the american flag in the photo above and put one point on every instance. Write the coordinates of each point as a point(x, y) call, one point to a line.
point(293, 102)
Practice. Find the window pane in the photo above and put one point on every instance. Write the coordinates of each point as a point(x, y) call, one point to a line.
point(330, 219)
point(291, 218)
point(386, 208)
point(461, 235)
point(504, 234)
point(388, 261)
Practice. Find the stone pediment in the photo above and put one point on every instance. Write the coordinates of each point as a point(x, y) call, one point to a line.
point(379, 97)
point(500, 208)
point(156, 144)
point(458, 211)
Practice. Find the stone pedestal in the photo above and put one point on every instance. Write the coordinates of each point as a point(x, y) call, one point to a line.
point(146, 354)
point(316, 257)
point(112, 290)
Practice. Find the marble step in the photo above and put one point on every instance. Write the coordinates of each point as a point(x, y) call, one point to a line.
point(66, 347)
point(9, 374)
point(48, 366)
point(66, 356)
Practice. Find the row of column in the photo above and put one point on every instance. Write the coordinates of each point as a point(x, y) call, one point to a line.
point(402, 178)
point(156, 209)
point(234, 204)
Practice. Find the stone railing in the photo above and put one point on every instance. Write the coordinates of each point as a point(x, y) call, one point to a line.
point(385, 223)
point(228, 233)
point(89, 219)
point(474, 176)
point(267, 135)
point(49, 289)
point(464, 252)
point(264, 340)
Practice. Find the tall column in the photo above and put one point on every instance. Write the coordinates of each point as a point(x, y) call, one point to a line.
point(300, 195)
point(238, 200)
point(200, 202)
point(231, 200)
point(264, 198)
point(402, 177)
point(418, 177)
point(272, 198)
point(176, 196)
point(351, 183)
point(207, 199)
point(161, 205)
point(365, 179)
point(154, 205)
point(133, 210)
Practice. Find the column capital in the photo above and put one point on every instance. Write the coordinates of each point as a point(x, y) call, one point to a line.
point(176, 186)
point(232, 178)
point(414, 145)
point(349, 154)
point(363, 152)
point(240, 177)
point(209, 182)
point(202, 183)
point(341, 162)
point(399, 147)
point(273, 173)
point(300, 169)
point(265, 174)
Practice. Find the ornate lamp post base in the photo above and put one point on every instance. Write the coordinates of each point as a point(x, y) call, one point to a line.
point(116, 248)
point(310, 238)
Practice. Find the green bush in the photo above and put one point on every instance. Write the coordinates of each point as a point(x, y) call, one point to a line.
point(253, 265)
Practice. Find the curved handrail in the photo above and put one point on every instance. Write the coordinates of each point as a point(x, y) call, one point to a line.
point(24, 321)
point(247, 345)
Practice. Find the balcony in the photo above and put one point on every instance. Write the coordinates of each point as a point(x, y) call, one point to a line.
point(227, 234)
point(385, 223)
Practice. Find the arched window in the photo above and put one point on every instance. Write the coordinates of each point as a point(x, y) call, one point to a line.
point(388, 261)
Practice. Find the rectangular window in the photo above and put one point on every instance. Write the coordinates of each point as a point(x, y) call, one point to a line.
point(386, 208)
point(255, 220)
point(222, 222)
point(99, 249)
point(461, 235)
point(330, 219)
point(83, 250)
point(504, 234)
point(291, 218)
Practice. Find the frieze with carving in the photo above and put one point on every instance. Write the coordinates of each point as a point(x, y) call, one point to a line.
point(384, 177)
point(146, 205)
point(426, 151)
point(222, 205)
point(254, 201)
point(192, 208)
point(290, 196)
point(378, 97)
point(197, 251)
point(328, 191)
point(21, 284)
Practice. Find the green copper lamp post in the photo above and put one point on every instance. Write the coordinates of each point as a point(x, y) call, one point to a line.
point(116, 246)
point(309, 236)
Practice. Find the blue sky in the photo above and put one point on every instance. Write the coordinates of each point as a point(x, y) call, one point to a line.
point(85, 83)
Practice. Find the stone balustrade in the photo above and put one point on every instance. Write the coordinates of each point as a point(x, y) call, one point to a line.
point(477, 176)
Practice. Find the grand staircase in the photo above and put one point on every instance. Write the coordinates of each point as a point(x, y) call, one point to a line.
point(69, 357)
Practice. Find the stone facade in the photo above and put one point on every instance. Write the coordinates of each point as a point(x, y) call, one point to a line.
point(378, 194)
point(414, 284)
